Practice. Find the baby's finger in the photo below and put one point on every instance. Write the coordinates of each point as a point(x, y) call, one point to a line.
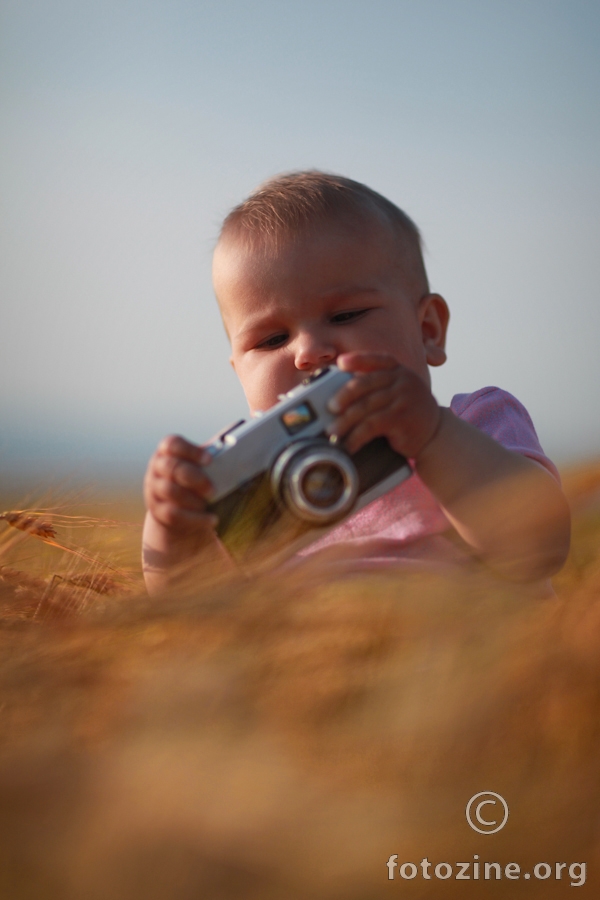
point(183, 520)
point(360, 409)
point(375, 425)
point(175, 445)
point(359, 387)
point(166, 490)
point(183, 473)
point(365, 362)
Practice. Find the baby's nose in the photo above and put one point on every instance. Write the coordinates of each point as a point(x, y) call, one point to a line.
point(312, 351)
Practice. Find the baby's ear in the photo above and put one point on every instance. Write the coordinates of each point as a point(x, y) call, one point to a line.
point(232, 363)
point(434, 316)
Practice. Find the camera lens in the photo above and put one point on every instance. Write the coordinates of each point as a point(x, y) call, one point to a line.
point(323, 485)
point(316, 481)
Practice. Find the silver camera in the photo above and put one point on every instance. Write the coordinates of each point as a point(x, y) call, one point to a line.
point(280, 482)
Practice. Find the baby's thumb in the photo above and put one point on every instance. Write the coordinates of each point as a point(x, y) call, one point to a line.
point(365, 362)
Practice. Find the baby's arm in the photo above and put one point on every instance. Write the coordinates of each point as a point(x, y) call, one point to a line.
point(179, 539)
point(508, 508)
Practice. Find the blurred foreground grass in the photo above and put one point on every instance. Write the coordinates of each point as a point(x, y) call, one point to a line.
point(281, 739)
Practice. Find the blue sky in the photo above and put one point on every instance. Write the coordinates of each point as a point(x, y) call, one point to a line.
point(130, 129)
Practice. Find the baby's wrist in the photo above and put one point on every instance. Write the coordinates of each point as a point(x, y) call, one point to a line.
point(165, 547)
point(178, 563)
point(432, 438)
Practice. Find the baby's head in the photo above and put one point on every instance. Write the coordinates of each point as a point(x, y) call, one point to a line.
point(313, 266)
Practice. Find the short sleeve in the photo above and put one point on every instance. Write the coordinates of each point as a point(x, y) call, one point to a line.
point(504, 418)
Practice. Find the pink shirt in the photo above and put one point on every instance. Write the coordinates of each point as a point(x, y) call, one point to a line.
point(407, 524)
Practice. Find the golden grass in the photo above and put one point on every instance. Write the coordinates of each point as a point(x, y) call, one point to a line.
point(261, 739)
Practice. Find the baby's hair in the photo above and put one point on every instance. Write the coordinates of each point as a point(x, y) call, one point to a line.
point(291, 204)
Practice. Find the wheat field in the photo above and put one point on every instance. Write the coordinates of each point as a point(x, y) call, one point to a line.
point(269, 738)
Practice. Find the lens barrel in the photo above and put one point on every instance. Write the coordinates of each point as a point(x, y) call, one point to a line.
point(317, 481)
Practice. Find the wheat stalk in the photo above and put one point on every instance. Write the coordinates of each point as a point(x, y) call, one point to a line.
point(99, 582)
point(32, 524)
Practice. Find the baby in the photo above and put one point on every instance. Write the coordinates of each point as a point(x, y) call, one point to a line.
point(316, 269)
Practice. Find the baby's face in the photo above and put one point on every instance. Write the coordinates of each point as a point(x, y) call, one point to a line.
point(294, 308)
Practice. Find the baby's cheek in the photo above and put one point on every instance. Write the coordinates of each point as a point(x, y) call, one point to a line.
point(259, 387)
point(266, 375)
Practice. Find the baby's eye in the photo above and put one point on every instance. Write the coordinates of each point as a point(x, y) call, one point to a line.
point(273, 342)
point(348, 316)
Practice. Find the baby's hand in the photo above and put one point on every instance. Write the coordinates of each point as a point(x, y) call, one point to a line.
point(180, 544)
point(176, 489)
point(385, 399)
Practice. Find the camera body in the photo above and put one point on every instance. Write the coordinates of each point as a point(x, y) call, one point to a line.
point(280, 482)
